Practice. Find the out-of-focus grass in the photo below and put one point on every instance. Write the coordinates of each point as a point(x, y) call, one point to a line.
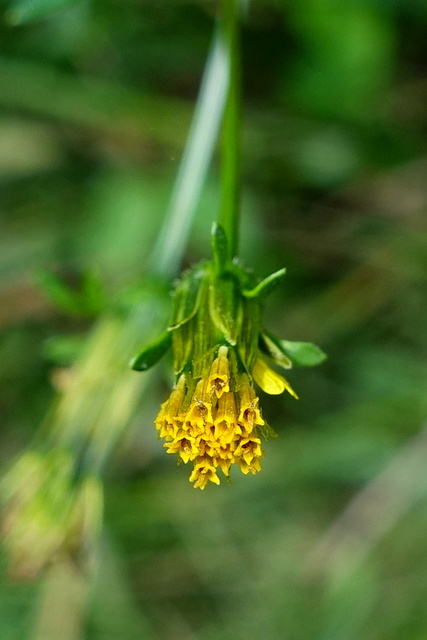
point(94, 109)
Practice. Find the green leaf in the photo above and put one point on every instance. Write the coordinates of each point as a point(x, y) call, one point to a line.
point(302, 354)
point(87, 300)
point(61, 294)
point(266, 286)
point(151, 354)
point(219, 248)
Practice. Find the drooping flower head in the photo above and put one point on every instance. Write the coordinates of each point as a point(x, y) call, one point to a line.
point(212, 417)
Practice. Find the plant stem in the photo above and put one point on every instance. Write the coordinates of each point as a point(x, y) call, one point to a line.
point(231, 143)
point(170, 246)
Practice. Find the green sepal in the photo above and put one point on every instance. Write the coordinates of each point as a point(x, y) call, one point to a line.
point(202, 360)
point(302, 354)
point(268, 346)
point(187, 297)
point(203, 339)
point(266, 286)
point(151, 354)
point(223, 307)
point(182, 345)
point(248, 333)
point(235, 369)
point(219, 248)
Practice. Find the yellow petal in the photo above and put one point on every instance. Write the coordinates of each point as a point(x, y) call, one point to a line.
point(270, 381)
point(219, 375)
point(250, 414)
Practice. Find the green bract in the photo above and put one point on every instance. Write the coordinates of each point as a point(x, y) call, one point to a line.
point(219, 303)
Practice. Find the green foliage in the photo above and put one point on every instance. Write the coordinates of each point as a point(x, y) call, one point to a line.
point(63, 350)
point(348, 52)
point(88, 299)
point(286, 353)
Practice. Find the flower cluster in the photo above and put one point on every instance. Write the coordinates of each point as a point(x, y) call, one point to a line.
point(214, 423)
point(212, 417)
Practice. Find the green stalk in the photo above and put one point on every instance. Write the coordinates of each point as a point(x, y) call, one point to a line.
point(231, 135)
point(170, 246)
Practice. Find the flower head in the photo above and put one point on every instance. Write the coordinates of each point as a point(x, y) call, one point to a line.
point(213, 423)
point(212, 417)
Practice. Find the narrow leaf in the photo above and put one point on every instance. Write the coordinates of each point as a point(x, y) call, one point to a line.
point(151, 354)
point(87, 299)
point(62, 296)
point(266, 286)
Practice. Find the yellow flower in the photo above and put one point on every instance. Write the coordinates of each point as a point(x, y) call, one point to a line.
point(212, 418)
point(213, 423)
point(203, 472)
point(270, 381)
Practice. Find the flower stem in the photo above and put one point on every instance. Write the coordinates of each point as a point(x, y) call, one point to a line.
point(170, 246)
point(231, 153)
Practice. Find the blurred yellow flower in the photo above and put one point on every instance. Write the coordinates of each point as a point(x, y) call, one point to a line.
point(48, 511)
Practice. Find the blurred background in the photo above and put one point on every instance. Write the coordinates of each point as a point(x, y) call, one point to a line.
point(329, 541)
